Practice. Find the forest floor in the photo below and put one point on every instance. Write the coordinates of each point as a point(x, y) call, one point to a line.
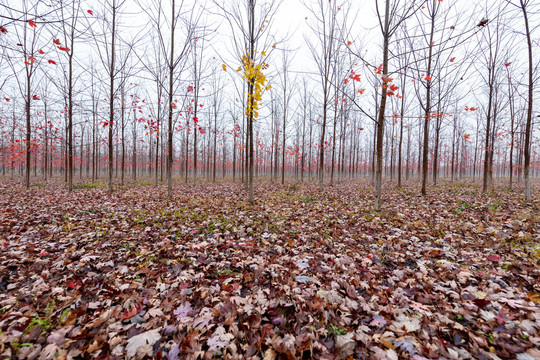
point(302, 273)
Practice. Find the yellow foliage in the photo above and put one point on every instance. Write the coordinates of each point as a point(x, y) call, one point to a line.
point(254, 76)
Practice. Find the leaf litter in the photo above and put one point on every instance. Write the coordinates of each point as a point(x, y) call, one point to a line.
point(301, 274)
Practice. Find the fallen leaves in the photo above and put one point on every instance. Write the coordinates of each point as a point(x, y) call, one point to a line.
point(534, 296)
point(494, 258)
point(306, 274)
point(406, 323)
point(141, 344)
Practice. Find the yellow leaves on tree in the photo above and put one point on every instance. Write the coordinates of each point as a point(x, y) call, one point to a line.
point(255, 77)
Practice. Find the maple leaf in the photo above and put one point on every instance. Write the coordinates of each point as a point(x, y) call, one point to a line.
point(428, 78)
point(90, 12)
point(406, 345)
point(146, 338)
point(58, 337)
point(133, 307)
point(201, 322)
point(403, 322)
point(378, 321)
point(52, 62)
point(345, 345)
point(302, 279)
point(50, 351)
point(56, 41)
point(155, 311)
point(494, 258)
point(452, 59)
point(32, 23)
point(219, 340)
point(183, 310)
point(534, 296)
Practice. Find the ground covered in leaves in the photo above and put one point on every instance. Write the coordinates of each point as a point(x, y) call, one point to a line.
point(301, 274)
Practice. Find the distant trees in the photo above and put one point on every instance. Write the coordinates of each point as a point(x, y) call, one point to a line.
point(389, 23)
point(460, 104)
point(326, 28)
point(24, 59)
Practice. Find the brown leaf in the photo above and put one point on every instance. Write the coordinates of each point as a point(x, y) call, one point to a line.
point(534, 296)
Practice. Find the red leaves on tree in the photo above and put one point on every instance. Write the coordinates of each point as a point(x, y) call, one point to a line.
point(41, 51)
point(3, 30)
point(195, 119)
point(361, 91)
point(32, 23)
point(452, 59)
point(56, 41)
point(354, 76)
point(507, 64)
point(428, 78)
point(201, 130)
point(190, 88)
point(7, 99)
point(30, 60)
point(466, 137)
point(52, 62)
point(35, 97)
point(90, 12)
point(63, 48)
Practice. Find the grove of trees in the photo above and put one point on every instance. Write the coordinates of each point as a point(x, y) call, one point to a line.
point(194, 91)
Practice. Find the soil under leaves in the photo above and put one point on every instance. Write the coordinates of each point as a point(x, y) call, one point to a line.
point(301, 274)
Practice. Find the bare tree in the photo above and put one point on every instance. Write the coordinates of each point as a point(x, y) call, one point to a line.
point(251, 19)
